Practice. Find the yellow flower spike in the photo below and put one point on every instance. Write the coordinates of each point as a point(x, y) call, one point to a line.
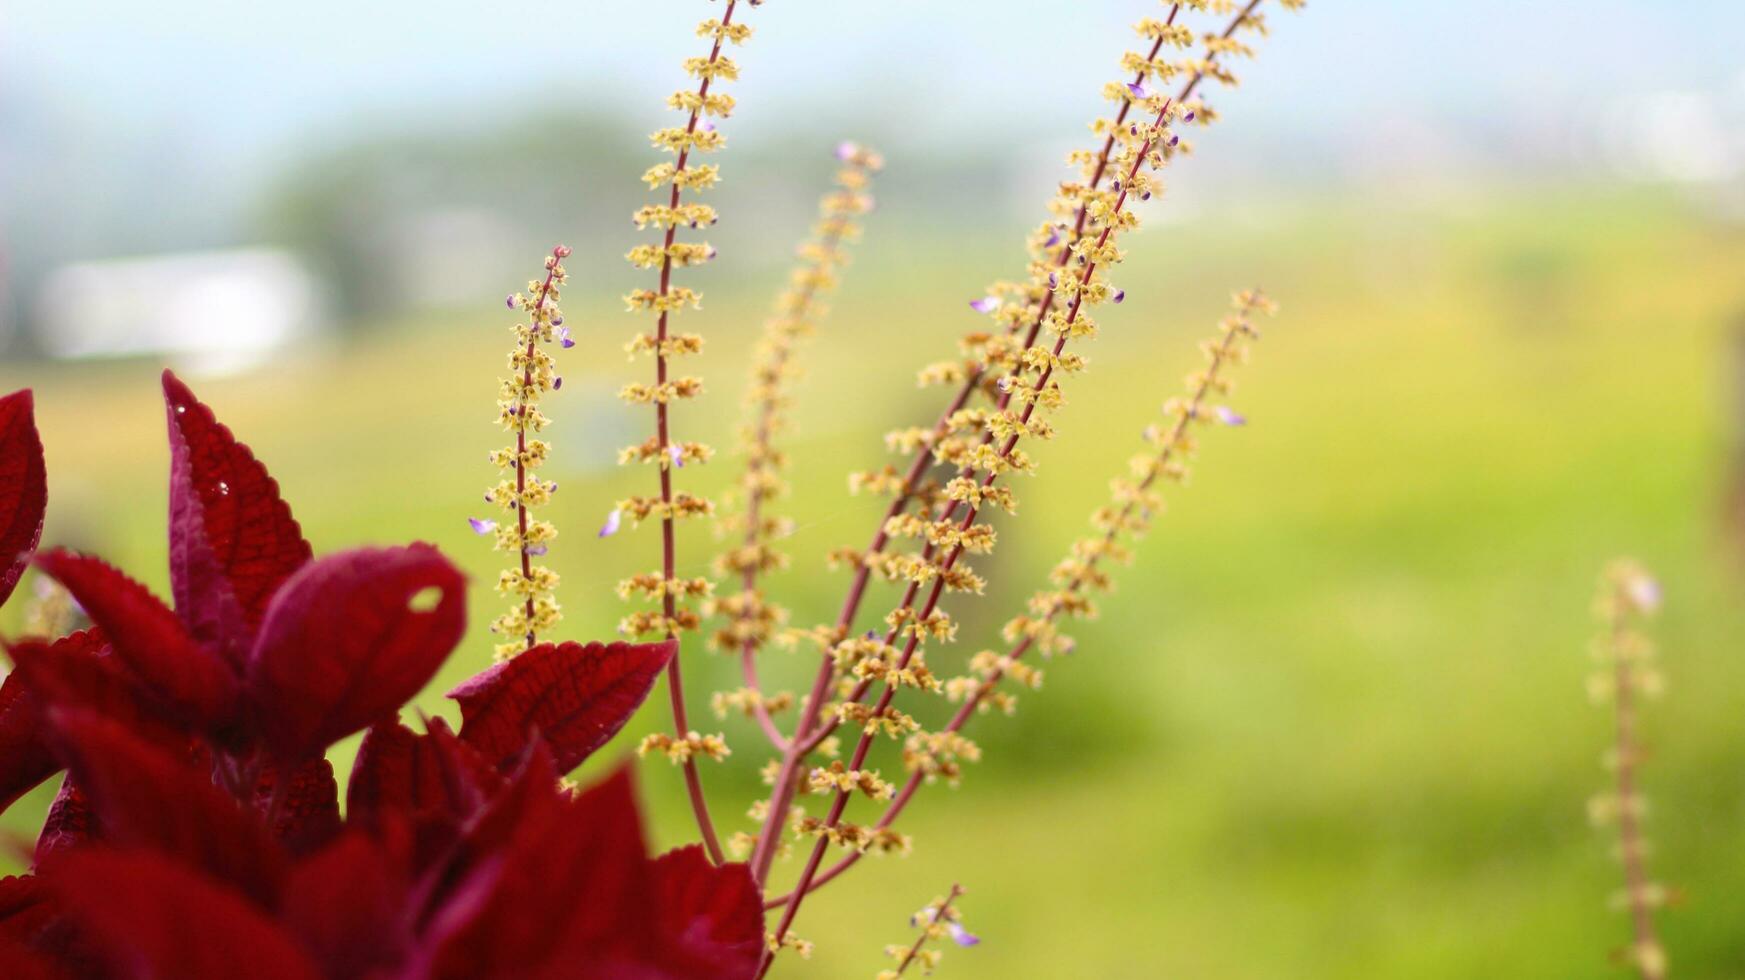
point(673, 180)
point(534, 611)
point(1628, 596)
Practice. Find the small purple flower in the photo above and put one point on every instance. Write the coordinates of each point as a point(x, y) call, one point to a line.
point(710, 254)
point(509, 301)
point(1645, 593)
point(1053, 280)
point(482, 526)
point(1174, 139)
point(1053, 238)
point(613, 520)
point(706, 126)
point(961, 936)
point(1189, 117)
point(987, 304)
point(676, 454)
point(1229, 417)
point(1120, 294)
point(564, 339)
point(535, 550)
point(557, 382)
point(1136, 90)
point(557, 321)
point(845, 151)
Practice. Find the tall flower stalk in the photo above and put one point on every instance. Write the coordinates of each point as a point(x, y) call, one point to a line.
point(532, 373)
point(1627, 596)
point(750, 617)
point(664, 588)
point(1135, 501)
point(983, 444)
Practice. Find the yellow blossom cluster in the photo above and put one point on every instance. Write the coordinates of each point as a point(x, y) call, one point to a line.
point(1011, 373)
point(937, 921)
point(532, 373)
point(1134, 501)
point(749, 620)
point(1626, 675)
point(701, 108)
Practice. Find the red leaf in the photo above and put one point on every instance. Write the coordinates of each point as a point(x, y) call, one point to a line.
point(70, 670)
point(575, 697)
point(233, 541)
point(309, 813)
point(157, 919)
point(148, 637)
point(25, 759)
point(81, 672)
point(346, 903)
point(23, 488)
point(397, 770)
point(68, 823)
point(143, 796)
point(20, 962)
point(425, 786)
point(710, 917)
point(26, 907)
point(556, 886)
point(349, 639)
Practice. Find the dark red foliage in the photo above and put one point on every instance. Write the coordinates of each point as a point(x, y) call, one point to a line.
point(348, 640)
point(148, 637)
point(198, 830)
point(23, 488)
point(576, 697)
point(233, 541)
point(151, 916)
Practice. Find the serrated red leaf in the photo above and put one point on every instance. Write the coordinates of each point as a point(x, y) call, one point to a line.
point(709, 917)
point(23, 488)
point(26, 907)
point(309, 813)
point(424, 786)
point(70, 670)
point(68, 823)
point(529, 905)
point(25, 759)
point(156, 918)
point(348, 640)
point(148, 638)
point(81, 672)
point(20, 962)
point(576, 697)
point(400, 771)
point(233, 540)
point(346, 905)
point(144, 797)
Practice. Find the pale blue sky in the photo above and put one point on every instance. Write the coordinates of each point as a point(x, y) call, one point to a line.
point(239, 77)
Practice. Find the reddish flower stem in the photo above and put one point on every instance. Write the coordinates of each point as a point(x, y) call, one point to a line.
point(940, 914)
point(967, 710)
point(840, 803)
point(521, 447)
point(668, 542)
point(806, 735)
point(761, 441)
point(1631, 846)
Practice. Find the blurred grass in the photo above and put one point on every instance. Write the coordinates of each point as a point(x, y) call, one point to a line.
point(1332, 724)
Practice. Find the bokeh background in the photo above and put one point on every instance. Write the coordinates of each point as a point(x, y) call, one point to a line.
point(1332, 725)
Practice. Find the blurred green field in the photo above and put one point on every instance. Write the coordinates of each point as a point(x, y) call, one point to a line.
point(1333, 723)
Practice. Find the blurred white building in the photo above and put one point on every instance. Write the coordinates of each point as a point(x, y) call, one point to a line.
point(210, 312)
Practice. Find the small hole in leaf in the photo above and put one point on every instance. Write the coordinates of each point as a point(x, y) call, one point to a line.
point(425, 599)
